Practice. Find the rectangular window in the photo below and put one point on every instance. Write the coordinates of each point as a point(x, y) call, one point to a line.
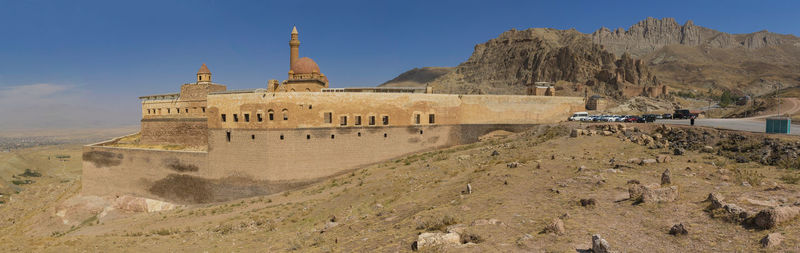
point(431, 118)
point(178, 110)
point(187, 110)
point(385, 120)
point(259, 117)
point(228, 136)
point(416, 119)
point(246, 117)
point(358, 120)
point(343, 121)
point(204, 108)
point(167, 110)
point(328, 117)
point(235, 117)
point(271, 116)
point(148, 111)
point(371, 120)
point(223, 117)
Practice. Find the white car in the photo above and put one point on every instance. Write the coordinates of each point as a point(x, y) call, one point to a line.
point(579, 116)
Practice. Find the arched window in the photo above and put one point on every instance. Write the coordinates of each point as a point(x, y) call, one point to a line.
point(271, 114)
point(285, 114)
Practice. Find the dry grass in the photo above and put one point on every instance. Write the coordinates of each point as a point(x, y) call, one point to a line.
point(384, 207)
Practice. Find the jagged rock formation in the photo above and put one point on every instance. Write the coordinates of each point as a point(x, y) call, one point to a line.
point(623, 63)
point(652, 34)
point(506, 64)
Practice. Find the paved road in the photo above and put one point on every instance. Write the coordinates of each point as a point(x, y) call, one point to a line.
point(752, 124)
point(749, 125)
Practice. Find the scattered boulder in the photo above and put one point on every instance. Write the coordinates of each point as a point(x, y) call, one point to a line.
point(600, 245)
point(647, 161)
point(556, 227)
point(707, 149)
point(607, 133)
point(581, 168)
point(770, 218)
point(429, 240)
point(678, 229)
point(678, 151)
point(588, 202)
point(512, 165)
point(771, 240)
point(495, 153)
point(663, 159)
point(652, 193)
point(716, 200)
point(635, 160)
point(666, 178)
point(468, 190)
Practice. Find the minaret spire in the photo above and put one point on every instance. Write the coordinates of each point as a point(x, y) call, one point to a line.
point(294, 47)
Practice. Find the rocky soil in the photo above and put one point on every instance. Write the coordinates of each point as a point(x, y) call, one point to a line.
point(566, 187)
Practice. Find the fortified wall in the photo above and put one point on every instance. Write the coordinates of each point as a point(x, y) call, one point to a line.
point(292, 133)
point(310, 136)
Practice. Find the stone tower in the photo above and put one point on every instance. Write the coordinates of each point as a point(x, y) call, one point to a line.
point(203, 75)
point(294, 48)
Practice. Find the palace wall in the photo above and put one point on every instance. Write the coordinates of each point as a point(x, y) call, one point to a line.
point(180, 131)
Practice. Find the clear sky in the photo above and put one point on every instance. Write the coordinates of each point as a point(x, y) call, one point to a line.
point(79, 63)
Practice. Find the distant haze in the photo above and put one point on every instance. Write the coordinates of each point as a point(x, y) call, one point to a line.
point(44, 106)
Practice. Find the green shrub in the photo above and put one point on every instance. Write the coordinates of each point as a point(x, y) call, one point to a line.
point(437, 224)
point(752, 177)
point(792, 178)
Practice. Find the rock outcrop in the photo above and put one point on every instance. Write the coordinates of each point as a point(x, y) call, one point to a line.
point(506, 64)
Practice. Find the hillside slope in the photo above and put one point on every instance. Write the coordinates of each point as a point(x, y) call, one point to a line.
point(519, 185)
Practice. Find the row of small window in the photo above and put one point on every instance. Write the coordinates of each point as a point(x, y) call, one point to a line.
point(259, 117)
point(328, 118)
point(385, 119)
point(177, 110)
point(308, 136)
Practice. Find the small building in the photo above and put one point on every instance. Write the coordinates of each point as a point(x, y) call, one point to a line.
point(541, 89)
point(596, 102)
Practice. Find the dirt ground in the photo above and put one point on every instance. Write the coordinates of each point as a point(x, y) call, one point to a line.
point(384, 207)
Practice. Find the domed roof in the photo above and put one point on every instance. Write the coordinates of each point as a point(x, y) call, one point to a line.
point(203, 70)
point(305, 65)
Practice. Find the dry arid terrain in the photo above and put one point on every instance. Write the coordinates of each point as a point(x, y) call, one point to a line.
point(547, 189)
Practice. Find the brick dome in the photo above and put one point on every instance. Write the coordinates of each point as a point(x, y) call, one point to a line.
point(305, 65)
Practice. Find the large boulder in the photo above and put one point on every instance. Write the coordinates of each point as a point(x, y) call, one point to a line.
point(429, 240)
point(600, 245)
point(771, 240)
point(770, 218)
point(652, 193)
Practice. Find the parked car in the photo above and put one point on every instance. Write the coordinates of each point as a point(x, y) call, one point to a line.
point(684, 114)
point(649, 117)
point(579, 116)
point(633, 119)
point(666, 116)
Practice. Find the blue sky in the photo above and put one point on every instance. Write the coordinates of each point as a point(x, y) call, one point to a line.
point(101, 55)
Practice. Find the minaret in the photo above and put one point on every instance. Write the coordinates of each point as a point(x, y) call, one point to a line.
point(294, 48)
point(203, 75)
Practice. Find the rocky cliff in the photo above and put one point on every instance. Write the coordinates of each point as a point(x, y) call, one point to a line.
point(506, 64)
point(623, 63)
point(652, 34)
